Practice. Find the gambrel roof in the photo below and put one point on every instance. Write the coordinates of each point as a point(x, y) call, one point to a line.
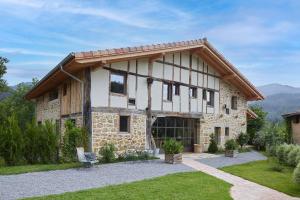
point(75, 62)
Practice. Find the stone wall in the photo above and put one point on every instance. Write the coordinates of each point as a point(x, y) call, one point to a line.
point(47, 110)
point(236, 120)
point(106, 130)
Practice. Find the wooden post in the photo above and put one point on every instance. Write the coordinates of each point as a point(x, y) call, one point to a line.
point(149, 109)
point(87, 111)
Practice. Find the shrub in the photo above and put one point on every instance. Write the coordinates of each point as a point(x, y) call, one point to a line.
point(292, 156)
point(259, 141)
point(2, 162)
point(230, 144)
point(172, 146)
point(73, 137)
point(280, 153)
point(242, 139)
point(213, 147)
point(11, 141)
point(32, 142)
point(277, 168)
point(296, 174)
point(107, 153)
point(271, 150)
point(287, 150)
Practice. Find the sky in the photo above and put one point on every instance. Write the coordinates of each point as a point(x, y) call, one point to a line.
point(261, 38)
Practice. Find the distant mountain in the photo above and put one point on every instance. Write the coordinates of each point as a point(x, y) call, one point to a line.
point(279, 99)
point(276, 88)
point(3, 95)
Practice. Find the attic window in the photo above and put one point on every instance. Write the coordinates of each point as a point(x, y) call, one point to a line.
point(53, 95)
point(118, 83)
point(234, 102)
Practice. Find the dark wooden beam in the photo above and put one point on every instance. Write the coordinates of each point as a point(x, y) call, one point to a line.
point(87, 111)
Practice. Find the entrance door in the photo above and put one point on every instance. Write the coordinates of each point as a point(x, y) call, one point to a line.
point(181, 129)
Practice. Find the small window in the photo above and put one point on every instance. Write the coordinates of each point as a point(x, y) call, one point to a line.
point(39, 122)
point(217, 135)
point(65, 89)
point(234, 102)
point(131, 101)
point(53, 95)
point(210, 97)
point(118, 83)
point(204, 94)
point(167, 91)
point(176, 88)
point(124, 124)
point(226, 131)
point(193, 92)
point(227, 111)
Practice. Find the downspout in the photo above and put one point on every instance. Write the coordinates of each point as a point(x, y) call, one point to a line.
point(82, 89)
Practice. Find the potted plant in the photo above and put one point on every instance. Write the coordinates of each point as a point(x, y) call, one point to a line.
point(173, 150)
point(230, 148)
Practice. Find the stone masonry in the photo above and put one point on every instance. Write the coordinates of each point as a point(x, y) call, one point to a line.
point(236, 120)
point(106, 130)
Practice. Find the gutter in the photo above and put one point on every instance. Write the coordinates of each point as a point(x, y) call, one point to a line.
point(67, 59)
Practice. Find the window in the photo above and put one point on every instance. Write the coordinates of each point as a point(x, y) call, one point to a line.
point(227, 111)
point(296, 120)
point(176, 88)
point(204, 94)
point(53, 95)
point(218, 135)
point(124, 124)
point(73, 121)
point(226, 131)
point(167, 91)
point(193, 92)
point(234, 102)
point(131, 101)
point(210, 97)
point(39, 122)
point(118, 83)
point(65, 89)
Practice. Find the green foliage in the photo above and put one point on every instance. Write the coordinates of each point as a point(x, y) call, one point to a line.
point(11, 141)
point(107, 153)
point(172, 146)
point(287, 150)
point(73, 137)
point(230, 144)
point(296, 174)
point(280, 153)
point(271, 150)
point(213, 147)
point(242, 139)
point(293, 155)
point(288, 125)
point(3, 85)
point(277, 168)
point(255, 125)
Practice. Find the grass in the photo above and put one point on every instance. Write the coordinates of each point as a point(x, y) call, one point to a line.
point(266, 173)
point(8, 170)
point(190, 185)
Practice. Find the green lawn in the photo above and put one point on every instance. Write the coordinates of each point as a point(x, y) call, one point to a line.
point(36, 168)
point(180, 186)
point(260, 172)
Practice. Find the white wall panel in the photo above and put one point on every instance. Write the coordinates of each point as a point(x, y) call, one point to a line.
point(99, 88)
point(210, 70)
point(200, 66)
point(131, 82)
point(211, 83)
point(184, 93)
point(143, 66)
point(132, 66)
point(185, 59)
point(120, 65)
point(185, 76)
point(217, 103)
point(194, 105)
point(177, 58)
point(217, 84)
point(118, 101)
point(200, 79)
point(195, 62)
point(176, 103)
point(194, 78)
point(200, 96)
point(157, 70)
point(210, 110)
point(204, 80)
point(169, 57)
point(167, 106)
point(168, 73)
point(176, 74)
point(142, 94)
point(156, 93)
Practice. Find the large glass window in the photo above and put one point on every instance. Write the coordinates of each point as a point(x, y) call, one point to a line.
point(118, 83)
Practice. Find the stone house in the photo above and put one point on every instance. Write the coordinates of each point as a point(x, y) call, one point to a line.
point(293, 120)
point(136, 97)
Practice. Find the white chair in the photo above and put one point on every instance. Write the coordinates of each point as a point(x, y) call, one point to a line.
point(87, 158)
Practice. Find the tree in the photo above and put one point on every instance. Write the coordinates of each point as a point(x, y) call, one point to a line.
point(255, 125)
point(3, 85)
point(242, 139)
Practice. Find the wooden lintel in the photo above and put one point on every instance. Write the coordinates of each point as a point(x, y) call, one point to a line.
point(155, 57)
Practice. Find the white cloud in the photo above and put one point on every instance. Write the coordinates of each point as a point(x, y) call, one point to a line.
point(17, 51)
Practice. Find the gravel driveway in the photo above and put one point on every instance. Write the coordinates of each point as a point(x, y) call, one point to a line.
point(241, 158)
point(60, 181)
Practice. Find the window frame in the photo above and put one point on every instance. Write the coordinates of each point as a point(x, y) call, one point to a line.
point(210, 98)
point(193, 92)
point(234, 102)
point(176, 89)
point(128, 124)
point(227, 131)
point(131, 101)
point(169, 94)
point(124, 75)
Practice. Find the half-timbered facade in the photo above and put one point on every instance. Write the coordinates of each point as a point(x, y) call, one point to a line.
point(137, 97)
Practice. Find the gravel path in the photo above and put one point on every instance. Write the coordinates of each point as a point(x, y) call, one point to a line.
point(241, 158)
point(60, 181)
